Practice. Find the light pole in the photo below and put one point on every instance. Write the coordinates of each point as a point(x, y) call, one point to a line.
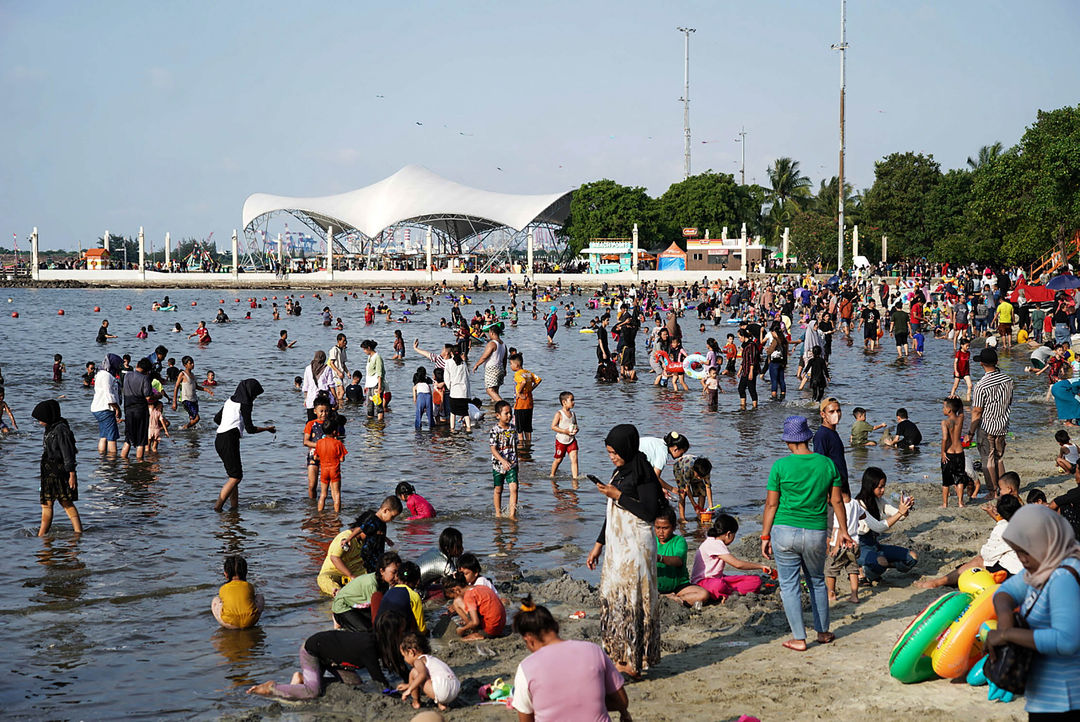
point(842, 47)
point(686, 100)
point(742, 168)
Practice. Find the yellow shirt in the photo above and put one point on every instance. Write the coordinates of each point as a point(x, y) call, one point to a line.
point(1005, 312)
point(238, 604)
point(350, 557)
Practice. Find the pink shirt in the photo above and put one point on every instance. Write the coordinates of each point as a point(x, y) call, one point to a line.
point(567, 680)
point(707, 561)
point(419, 507)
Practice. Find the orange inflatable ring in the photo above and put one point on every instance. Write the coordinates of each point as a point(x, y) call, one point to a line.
point(958, 649)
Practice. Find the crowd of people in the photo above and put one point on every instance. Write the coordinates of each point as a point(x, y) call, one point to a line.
point(812, 525)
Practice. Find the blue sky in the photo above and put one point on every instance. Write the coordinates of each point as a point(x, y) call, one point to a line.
point(167, 115)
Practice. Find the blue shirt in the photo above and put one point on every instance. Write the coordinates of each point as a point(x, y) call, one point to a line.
point(828, 443)
point(1053, 684)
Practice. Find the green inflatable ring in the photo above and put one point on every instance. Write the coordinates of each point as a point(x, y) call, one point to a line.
point(909, 661)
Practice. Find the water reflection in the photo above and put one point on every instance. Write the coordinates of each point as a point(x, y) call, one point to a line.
point(242, 650)
point(65, 573)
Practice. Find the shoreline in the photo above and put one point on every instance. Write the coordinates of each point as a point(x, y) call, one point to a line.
point(726, 660)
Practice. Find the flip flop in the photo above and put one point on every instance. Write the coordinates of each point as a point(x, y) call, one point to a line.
point(826, 637)
point(790, 644)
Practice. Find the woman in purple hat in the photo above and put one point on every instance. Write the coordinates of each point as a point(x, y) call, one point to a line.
point(801, 487)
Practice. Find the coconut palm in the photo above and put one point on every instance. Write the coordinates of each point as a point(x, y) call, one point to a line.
point(787, 183)
point(987, 154)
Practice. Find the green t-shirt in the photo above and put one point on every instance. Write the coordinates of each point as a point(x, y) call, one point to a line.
point(668, 578)
point(358, 591)
point(804, 482)
point(860, 432)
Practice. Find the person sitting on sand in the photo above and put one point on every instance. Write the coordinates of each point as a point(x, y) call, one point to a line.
point(337, 651)
point(995, 555)
point(480, 609)
point(709, 583)
point(874, 557)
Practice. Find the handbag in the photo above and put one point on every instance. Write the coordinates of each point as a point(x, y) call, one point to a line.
point(1008, 666)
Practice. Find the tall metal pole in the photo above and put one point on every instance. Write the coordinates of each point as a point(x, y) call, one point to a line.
point(686, 100)
point(741, 140)
point(842, 47)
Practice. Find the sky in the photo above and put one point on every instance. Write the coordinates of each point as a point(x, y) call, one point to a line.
point(118, 115)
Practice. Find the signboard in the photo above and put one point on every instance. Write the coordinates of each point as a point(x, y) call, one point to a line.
point(689, 232)
point(718, 251)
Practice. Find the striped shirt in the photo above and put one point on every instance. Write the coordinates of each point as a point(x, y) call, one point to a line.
point(993, 394)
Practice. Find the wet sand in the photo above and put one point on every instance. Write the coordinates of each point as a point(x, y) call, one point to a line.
point(726, 660)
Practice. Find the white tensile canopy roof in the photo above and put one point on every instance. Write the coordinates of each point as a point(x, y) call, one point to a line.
point(416, 195)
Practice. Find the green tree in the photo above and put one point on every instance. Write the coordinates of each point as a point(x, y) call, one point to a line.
point(787, 182)
point(987, 154)
point(606, 209)
point(896, 203)
point(946, 204)
point(813, 238)
point(705, 201)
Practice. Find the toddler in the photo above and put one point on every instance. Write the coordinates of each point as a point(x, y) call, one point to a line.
point(480, 609)
point(1069, 453)
point(158, 424)
point(429, 674)
point(237, 604)
point(330, 452)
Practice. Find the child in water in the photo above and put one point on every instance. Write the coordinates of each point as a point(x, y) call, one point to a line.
point(237, 604)
point(422, 397)
point(817, 370)
point(330, 452)
point(5, 409)
point(58, 368)
point(158, 424)
point(418, 506)
point(565, 426)
point(429, 674)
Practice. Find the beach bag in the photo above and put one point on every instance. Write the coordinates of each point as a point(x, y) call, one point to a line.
point(1008, 666)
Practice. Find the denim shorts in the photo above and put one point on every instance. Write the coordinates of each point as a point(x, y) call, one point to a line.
point(107, 427)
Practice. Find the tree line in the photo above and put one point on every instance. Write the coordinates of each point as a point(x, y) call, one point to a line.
point(1005, 206)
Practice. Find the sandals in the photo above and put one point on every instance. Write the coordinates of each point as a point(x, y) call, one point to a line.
point(790, 644)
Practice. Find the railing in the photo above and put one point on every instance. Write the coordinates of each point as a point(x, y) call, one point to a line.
point(1052, 260)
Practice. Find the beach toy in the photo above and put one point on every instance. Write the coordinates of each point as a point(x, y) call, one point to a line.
point(984, 630)
point(97, 309)
point(500, 690)
point(957, 649)
point(976, 677)
point(910, 658)
point(694, 365)
point(577, 615)
point(376, 398)
point(587, 330)
point(60, 312)
point(127, 308)
point(997, 694)
point(705, 517)
point(658, 360)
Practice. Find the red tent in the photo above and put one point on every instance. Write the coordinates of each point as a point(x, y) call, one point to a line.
point(1033, 294)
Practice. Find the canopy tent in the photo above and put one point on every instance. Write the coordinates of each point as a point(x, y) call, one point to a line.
point(417, 196)
point(672, 259)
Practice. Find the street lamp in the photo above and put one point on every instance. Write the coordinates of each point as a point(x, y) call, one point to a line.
point(742, 168)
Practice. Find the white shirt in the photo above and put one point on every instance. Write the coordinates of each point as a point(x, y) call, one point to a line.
point(312, 386)
point(338, 359)
point(106, 391)
point(230, 418)
point(854, 512)
point(996, 551)
point(868, 523)
point(457, 379)
point(655, 450)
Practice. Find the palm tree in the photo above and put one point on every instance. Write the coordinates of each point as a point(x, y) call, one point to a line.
point(987, 154)
point(787, 182)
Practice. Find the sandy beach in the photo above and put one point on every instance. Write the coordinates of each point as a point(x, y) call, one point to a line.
point(726, 660)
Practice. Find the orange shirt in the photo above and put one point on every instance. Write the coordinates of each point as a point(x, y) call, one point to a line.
point(524, 383)
point(330, 452)
point(488, 607)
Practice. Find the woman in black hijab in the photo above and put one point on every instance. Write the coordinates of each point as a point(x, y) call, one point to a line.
point(58, 479)
point(234, 420)
point(629, 615)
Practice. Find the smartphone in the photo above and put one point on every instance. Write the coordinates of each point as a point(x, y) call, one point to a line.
point(593, 479)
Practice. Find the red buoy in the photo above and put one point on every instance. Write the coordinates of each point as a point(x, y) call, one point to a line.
point(60, 312)
point(97, 309)
point(275, 298)
point(193, 303)
point(14, 314)
point(331, 293)
point(127, 308)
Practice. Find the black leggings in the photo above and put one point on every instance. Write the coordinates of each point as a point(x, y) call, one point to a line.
point(748, 384)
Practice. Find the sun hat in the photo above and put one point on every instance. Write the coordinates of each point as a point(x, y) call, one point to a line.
point(796, 430)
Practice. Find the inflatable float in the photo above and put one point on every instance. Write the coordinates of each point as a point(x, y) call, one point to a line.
point(166, 308)
point(910, 659)
point(958, 649)
point(695, 366)
point(659, 360)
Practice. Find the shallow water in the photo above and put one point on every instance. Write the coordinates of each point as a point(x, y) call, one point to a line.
point(117, 622)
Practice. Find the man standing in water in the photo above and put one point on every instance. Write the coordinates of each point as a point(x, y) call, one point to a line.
point(870, 319)
point(338, 361)
point(991, 402)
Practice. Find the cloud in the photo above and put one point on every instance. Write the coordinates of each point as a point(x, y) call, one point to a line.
point(160, 78)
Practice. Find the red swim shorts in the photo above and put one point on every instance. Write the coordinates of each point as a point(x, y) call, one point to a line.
point(562, 449)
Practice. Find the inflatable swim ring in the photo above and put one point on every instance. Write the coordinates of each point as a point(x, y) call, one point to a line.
point(909, 661)
point(587, 330)
point(695, 367)
point(658, 360)
point(167, 308)
point(957, 649)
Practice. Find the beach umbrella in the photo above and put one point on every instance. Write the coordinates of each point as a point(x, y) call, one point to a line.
point(1063, 282)
point(833, 281)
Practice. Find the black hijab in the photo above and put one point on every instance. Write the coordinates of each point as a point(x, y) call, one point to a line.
point(113, 364)
point(246, 391)
point(48, 412)
point(636, 469)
